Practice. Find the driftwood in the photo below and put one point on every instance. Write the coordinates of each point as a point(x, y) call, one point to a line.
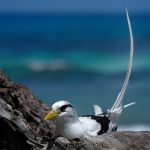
point(22, 126)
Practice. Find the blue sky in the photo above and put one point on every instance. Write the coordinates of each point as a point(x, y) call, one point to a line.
point(75, 6)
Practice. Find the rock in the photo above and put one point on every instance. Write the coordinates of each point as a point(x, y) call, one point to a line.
point(113, 141)
point(21, 117)
point(22, 126)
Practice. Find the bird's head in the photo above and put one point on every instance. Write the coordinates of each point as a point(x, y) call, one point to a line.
point(61, 109)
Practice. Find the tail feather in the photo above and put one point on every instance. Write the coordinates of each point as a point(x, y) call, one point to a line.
point(115, 114)
point(116, 110)
point(130, 104)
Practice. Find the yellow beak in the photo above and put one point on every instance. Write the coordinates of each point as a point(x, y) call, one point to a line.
point(51, 115)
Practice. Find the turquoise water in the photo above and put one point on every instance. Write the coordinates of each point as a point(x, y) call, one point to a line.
point(80, 58)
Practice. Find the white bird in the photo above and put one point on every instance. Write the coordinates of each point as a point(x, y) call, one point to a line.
point(69, 125)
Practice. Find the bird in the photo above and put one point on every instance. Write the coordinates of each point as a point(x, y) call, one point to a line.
point(71, 126)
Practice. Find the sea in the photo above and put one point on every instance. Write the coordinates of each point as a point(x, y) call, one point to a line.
point(81, 58)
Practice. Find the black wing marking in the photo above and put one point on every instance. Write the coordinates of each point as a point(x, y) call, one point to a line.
point(103, 120)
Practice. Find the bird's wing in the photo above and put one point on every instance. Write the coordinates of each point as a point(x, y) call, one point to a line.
point(90, 126)
point(97, 110)
point(116, 109)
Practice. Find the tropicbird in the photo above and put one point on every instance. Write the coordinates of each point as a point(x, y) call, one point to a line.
point(69, 125)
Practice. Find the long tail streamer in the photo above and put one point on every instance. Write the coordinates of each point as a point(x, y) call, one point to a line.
point(116, 109)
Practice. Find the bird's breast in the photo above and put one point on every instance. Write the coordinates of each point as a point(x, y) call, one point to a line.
point(70, 130)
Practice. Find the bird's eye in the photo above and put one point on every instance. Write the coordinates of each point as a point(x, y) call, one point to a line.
point(63, 108)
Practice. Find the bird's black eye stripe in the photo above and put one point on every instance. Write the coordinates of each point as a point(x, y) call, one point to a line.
point(63, 108)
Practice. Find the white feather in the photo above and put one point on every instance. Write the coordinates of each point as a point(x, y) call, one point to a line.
point(116, 109)
point(90, 126)
point(97, 110)
point(130, 104)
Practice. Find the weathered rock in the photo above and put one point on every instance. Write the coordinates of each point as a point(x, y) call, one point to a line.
point(21, 115)
point(113, 141)
point(22, 126)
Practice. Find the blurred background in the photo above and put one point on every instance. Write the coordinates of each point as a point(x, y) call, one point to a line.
point(79, 51)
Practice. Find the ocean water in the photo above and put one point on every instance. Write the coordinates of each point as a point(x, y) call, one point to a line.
point(80, 58)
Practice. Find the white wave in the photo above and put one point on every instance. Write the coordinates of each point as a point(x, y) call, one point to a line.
point(53, 65)
point(134, 127)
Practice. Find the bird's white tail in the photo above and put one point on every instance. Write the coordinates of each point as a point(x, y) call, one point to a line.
point(116, 110)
